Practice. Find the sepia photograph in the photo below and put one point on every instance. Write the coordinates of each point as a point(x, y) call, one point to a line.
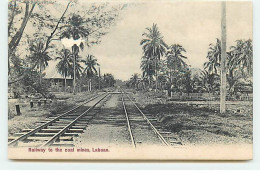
point(130, 80)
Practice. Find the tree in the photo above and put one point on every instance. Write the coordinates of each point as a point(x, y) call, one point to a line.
point(134, 80)
point(162, 81)
point(233, 80)
point(15, 34)
point(187, 81)
point(109, 80)
point(243, 57)
point(195, 84)
point(153, 46)
point(96, 17)
point(38, 56)
point(64, 65)
point(75, 30)
point(15, 38)
point(144, 82)
point(209, 82)
point(148, 68)
point(174, 59)
point(76, 60)
point(90, 69)
point(214, 56)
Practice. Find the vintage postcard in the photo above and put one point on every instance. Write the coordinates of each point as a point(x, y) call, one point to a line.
point(130, 80)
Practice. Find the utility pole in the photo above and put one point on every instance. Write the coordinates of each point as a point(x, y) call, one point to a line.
point(223, 89)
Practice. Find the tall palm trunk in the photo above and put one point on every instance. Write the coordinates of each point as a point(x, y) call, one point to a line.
point(90, 85)
point(149, 82)
point(74, 68)
point(170, 81)
point(40, 73)
point(156, 76)
point(65, 83)
point(170, 76)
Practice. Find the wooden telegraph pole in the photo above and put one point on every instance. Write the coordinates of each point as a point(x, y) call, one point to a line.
point(223, 89)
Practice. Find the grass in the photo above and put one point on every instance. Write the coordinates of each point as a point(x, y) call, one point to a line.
point(29, 117)
point(203, 125)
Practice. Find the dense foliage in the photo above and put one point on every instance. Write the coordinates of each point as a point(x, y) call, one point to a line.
point(35, 35)
point(164, 67)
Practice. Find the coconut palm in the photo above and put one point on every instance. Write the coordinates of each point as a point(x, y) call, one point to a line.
point(90, 69)
point(38, 56)
point(162, 81)
point(148, 68)
point(209, 82)
point(213, 65)
point(214, 56)
point(134, 80)
point(174, 58)
point(64, 65)
point(234, 74)
point(233, 79)
point(78, 68)
point(243, 56)
point(76, 29)
point(153, 45)
point(77, 60)
point(109, 80)
point(144, 82)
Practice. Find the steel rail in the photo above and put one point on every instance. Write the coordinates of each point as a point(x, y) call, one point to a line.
point(62, 131)
point(14, 142)
point(148, 121)
point(128, 123)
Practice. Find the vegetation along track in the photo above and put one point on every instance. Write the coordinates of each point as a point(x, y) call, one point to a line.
point(140, 119)
point(58, 130)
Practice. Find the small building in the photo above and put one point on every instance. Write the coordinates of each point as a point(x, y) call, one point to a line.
point(56, 80)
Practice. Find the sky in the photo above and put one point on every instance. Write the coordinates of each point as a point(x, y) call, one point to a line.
point(194, 25)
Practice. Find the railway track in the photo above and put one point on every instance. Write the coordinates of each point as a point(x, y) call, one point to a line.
point(138, 118)
point(58, 130)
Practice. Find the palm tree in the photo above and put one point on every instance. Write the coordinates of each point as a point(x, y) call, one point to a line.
point(78, 68)
point(233, 79)
point(153, 45)
point(144, 82)
point(134, 80)
point(174, 59)
point(162, 81)
point(76, 71)
point(76, 29)
point(64, 65)
point(109, 80)
point(233, 75)
point(38, 56)
point(233, 62)
point(214, 56)
point(209, 82)
point(148, 68)
point(90, 69)
point(243, 56)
